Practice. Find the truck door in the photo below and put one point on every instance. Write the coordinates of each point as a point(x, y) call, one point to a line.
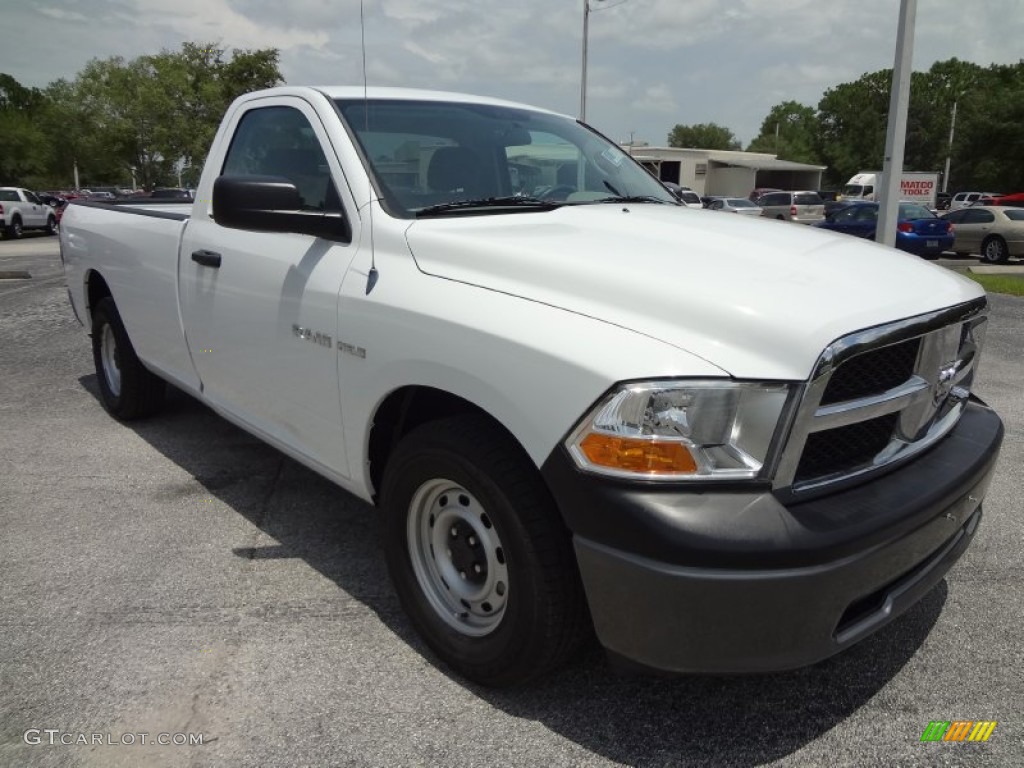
point(35, 212)
point(260, 309)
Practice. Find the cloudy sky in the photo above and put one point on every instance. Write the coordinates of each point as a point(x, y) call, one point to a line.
point(652, 63)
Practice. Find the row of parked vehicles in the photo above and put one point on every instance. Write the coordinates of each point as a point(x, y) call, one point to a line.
point(987, 224)
point(22, 209)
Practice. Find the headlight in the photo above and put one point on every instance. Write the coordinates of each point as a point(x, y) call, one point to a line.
point(681, 430)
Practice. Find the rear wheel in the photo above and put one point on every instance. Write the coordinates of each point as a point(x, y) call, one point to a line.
point(479, 556)
point(51, 225)
point(127, 388)
point(14, 229)
point(994, 251)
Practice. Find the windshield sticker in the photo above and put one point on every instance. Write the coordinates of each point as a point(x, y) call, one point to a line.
point(614, 156)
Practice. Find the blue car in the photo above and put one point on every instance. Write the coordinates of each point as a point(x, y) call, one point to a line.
point(918, 230)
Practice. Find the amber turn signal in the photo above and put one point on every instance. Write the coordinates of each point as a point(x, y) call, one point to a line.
point(634, 455)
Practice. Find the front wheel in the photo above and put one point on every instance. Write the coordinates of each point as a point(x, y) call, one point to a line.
point(479, 556)
point(127, 388)
point(51, 225)
point(994, 251)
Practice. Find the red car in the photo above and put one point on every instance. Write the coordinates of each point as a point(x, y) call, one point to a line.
point(1016, 199)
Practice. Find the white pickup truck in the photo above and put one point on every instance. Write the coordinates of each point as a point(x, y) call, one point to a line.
point(21, 210)
point(581, 407)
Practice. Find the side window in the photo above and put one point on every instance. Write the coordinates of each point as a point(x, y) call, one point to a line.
point(955, 217)
point(868, 190)
point(279, 141)
point(973, 216)
point(845, 215)
point(32, 198)
point(716, 205)
point(867, 213)
point(985, 217)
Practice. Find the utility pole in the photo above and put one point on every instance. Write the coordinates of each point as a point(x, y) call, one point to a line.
point(896, 133)
point(949, 151)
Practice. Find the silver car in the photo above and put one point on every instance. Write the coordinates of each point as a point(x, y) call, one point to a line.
point(804, 206)
point(738, 205)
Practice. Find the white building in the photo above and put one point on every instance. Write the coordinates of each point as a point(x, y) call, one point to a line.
point(724, 172)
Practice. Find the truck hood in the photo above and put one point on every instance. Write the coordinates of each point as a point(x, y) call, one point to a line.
point(756, 298)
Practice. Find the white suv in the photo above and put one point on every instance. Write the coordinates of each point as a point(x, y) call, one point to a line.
point(21, 210)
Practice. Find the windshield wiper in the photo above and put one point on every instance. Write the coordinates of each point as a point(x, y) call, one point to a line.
point(630, 199)
point(487, 203)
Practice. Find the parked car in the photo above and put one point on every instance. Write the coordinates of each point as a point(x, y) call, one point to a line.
point(568, 430)
point(735, 205)
point(918, 230)
point(20, 209)
point(685, 195)
point(995, 232)
point(171, 194)
point(760, 192)
point(1016, 199)
point(805, 207)
point(964, 199)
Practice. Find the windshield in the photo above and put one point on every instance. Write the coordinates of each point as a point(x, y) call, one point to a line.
point(853, 190)
point(428, 154)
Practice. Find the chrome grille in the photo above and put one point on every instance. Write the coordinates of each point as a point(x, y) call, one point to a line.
point(881, 395)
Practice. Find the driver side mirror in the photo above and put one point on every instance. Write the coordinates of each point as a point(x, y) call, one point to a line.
point(272, 204)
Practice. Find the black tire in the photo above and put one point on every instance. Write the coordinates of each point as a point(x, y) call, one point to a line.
point(994, 251)
point(14, 229)
point(128, 389)
point(466, 478)
point(51, 225)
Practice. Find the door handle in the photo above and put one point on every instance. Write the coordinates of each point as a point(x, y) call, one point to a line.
point(206, 258)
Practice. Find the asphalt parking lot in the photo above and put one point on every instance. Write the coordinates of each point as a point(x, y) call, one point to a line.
point(179, 577)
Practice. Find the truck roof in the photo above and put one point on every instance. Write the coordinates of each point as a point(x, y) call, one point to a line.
point(384, 92)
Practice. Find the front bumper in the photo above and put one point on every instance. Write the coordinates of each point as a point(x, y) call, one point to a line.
point(730, 580)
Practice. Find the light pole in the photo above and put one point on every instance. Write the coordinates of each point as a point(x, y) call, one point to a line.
point(583, 70)
point(896, 132)
point(586, 33)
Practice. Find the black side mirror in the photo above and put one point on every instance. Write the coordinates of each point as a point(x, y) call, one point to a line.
point(272, 204)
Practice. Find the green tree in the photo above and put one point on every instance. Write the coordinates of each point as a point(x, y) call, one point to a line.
point(24, 149)
point(790, 131)
point(151, 115)
point(988, 152)
point(703, 136)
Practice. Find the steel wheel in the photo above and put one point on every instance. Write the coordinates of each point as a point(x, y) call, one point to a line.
point(127, 389)
point(111, 361)
point(457, 557)
point(482, 562)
